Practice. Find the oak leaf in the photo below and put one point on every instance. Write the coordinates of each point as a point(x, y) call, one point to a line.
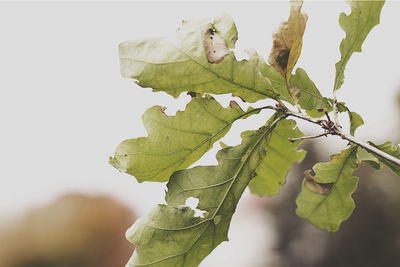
point(326, 199)
point(175, 142)
point(198, 58)
point(364, 16)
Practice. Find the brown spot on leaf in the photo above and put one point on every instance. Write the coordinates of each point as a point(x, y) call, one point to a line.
point(214, 46)
point(319, 188)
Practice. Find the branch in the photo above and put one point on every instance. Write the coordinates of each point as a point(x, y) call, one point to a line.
point(372, 149)
point(332, 129)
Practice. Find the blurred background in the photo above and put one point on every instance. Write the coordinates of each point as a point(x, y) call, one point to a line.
point(64, 108)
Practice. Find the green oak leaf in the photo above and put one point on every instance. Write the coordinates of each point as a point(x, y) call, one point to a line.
point(278, 81)
point(391, 149)
point(281, 155)
point(310, 97)
point(175, 142)
point(329, 207)
point(355, 121)
point(364, 16)
point(171, 235)
point(198, 59)
point(368, 158)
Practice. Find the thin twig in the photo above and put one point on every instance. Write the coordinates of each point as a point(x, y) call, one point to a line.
point(309, 137)
point(335, 110)
point(301, 116)
point(327, 115)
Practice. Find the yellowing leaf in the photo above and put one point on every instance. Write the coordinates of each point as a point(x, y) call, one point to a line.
point(364, 16)
point(325, 199)
point(174, 143)
point(288, 41)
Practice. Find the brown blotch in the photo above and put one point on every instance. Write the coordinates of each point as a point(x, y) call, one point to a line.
point(282, 58)
point(319, 188)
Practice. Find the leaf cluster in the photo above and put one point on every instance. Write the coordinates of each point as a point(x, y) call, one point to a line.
point(199, 60)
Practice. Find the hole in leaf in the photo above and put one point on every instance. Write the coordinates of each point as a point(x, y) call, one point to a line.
point(192, 203)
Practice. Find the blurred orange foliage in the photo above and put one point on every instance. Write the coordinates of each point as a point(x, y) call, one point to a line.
point(74, 230)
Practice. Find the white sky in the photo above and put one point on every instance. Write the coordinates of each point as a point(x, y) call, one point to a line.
point(64, 106)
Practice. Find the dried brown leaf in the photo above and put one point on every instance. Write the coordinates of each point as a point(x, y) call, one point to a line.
point(288, 40)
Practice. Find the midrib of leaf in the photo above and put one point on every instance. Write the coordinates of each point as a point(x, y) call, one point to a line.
point(177, 229)
point(349, 52)
point(223, 78)
point(334, 184)
point(208, 220)
point(208, 139)
point(267, 131)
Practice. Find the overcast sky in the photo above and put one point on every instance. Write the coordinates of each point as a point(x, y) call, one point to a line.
point(65, 107)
